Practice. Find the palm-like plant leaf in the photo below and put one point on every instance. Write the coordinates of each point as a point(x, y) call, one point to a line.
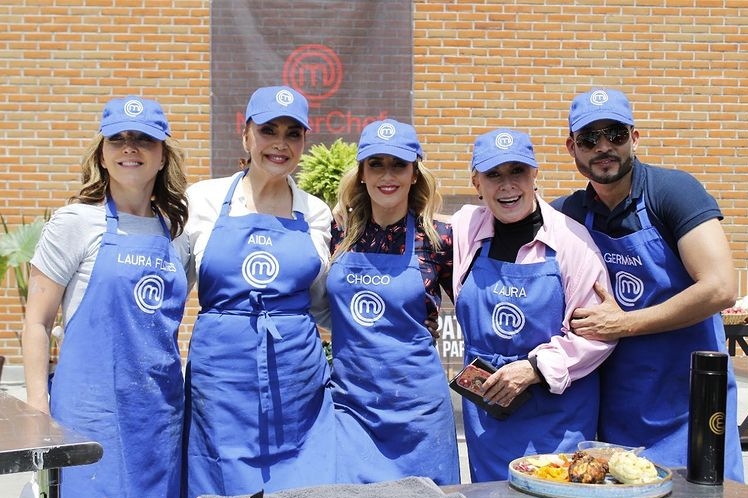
point(321, 168)
point(16, 250)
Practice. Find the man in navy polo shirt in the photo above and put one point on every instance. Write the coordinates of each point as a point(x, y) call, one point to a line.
point(672, 273)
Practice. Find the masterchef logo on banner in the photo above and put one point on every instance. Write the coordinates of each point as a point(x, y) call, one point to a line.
point(316, 72)
point(356, 70)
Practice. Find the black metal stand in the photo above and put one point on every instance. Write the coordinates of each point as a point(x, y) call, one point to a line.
point(736, 336)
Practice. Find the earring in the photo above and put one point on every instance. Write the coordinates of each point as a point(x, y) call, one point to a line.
point(363, 181)
point(535, 188)
point(480, 197)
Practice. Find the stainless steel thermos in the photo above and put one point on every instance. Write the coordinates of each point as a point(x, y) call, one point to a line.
point(706, 418)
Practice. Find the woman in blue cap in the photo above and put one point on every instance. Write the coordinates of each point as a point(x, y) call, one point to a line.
point(392, 403)
point(107, 258)
point(258, 413)
point(521, 268)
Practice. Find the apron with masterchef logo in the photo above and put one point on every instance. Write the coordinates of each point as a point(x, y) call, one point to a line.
point(258, 413)
point(392, 403)
point(119, 376)
point(505, 311)
point(645, 381)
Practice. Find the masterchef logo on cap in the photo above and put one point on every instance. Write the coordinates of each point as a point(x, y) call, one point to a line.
point(260, 268)
point(500, 146)
point(389, 137)
point(386, 131)
point(598, 97)
point(597, 105)
point(507, 320)
point(284, 98)
point(504, 141)
point(133, 108)
point(367, 307)
point(133, 113)
point(272, 102)
point(149, 293)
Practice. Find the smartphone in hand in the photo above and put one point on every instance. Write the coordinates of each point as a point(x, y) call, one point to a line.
point(469, 381)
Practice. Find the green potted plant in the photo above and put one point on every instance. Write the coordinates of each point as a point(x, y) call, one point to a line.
point(321, 168)
point(16, 249)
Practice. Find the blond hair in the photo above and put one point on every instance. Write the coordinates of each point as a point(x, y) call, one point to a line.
point(423, 200)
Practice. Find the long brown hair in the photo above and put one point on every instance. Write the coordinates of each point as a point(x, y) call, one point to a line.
point(168, 192)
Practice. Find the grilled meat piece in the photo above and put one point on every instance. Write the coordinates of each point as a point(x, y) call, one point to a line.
point(587, 469)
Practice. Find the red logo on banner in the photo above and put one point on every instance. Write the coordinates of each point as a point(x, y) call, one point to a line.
point(315, 71)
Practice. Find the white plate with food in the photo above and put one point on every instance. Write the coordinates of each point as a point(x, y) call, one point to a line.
point(580, 475)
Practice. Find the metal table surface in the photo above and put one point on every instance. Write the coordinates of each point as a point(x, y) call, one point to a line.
point(681, 489)
point(32, 441)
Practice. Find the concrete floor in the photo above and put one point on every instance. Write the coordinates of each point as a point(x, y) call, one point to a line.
point(11, 485)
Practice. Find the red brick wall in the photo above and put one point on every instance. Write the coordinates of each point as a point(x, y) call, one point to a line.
point(477, 65)
point(60, 63)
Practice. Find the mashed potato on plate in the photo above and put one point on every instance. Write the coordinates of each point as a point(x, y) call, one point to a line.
point(628, 468)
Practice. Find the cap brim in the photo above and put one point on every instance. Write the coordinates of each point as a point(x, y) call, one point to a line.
point(114, 128)
point(264, 117)
point(390, 150)
point(492, 162)
point(591, 118)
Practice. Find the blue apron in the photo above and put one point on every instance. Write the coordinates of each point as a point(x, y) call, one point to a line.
point(645, 381)
point(392, 403)
point(258, 413)
point(119, 376)
point(505, 311)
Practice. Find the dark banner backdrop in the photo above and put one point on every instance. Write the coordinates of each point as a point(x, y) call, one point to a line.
point(351, 59)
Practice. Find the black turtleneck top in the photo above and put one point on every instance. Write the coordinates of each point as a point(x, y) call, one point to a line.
point(509, 237)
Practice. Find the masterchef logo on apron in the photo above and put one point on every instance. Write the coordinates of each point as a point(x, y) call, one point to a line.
point(260, 268)
point(629, 288)
point(149, 293)
point(507, 320)
point(367, 307)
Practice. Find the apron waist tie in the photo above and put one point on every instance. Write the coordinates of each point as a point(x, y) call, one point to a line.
point(265, 327)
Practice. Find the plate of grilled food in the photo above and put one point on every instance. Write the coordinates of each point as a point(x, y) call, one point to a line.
point(619, 474)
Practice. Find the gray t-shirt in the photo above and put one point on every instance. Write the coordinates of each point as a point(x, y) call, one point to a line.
point(70, 242)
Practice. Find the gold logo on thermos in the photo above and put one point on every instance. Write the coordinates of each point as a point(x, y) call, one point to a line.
point(717, 423)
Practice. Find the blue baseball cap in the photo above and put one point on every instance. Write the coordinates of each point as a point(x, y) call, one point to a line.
point(389, 137)
point(134, 114)
point(599, 104)
point(502, 146)
point(270, 102)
